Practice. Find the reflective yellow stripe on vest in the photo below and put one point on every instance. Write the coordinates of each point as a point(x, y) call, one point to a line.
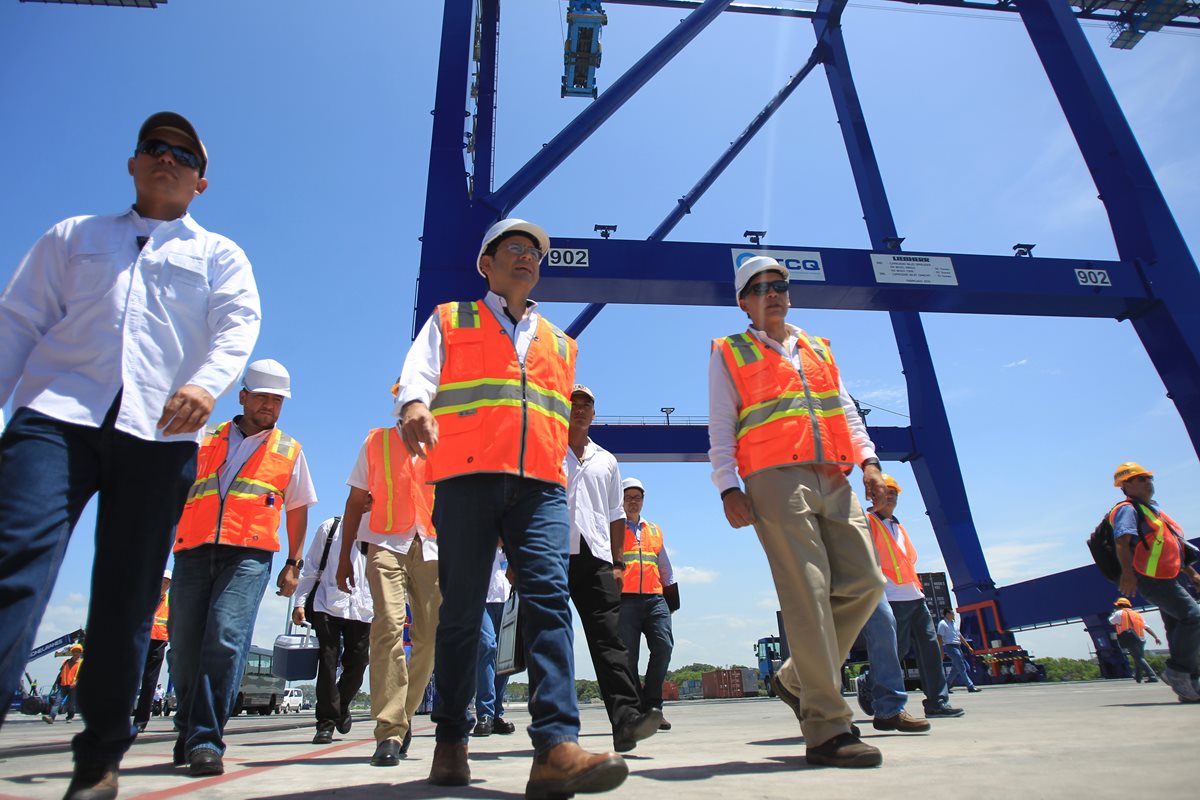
point(455, 398)
point(1159, 538)
point(389, 479)
point(465, 315)
point(788, 404)
point(745, 349)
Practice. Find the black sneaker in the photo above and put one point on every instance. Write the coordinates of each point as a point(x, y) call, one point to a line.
point(637, 726)
point(483, 727)
point(324, 735)
point(943, 710)
point(974, 689)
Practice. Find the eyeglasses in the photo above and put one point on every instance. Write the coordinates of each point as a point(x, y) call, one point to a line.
point(518, 249)
point(760, 289)
point(156, 147)
point(1142, 478)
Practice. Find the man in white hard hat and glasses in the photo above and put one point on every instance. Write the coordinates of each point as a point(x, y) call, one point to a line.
point(485, 398)
point(249, 471)
point(781, 421)
point(117, 333)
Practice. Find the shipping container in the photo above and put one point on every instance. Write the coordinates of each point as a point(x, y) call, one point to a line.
point(749, 682)
point(670, 691)
point(691, 689)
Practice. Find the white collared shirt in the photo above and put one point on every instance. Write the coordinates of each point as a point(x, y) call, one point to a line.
point(329, 599)
point(949, 632)
point(360, 478)
point(87, 313)
point(593, 498)
point(299, 490)
point(723, 410)
point(423, 364)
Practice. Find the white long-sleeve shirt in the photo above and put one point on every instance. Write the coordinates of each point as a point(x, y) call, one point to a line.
point(329, 599)
point(88, 313)
point(723, 410)
point(593, 499)
point(423, 364)
point(360, 478)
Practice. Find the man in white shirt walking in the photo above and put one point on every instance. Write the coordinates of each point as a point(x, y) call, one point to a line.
point(595, 569)
point(953, 643)
point(342, 623)
point(117, 334)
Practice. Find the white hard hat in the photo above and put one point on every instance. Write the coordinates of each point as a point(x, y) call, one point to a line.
point(511, 226)
point(632, 483)
point(167, 574)
point(751, 267)
point(268, 377)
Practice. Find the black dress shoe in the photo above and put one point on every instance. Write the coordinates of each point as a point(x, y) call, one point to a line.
point(323, 736)
point(635, 728)
point(974, 689)
point(343, 725)
point(92, 783)
point(387, 754)
point(483, 727)
point(502, 726)
point(205, 761)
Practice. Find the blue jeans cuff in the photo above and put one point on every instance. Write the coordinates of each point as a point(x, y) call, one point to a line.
point(549, 744)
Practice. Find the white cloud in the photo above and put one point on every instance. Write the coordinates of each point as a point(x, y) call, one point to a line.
point(1020, 363)
point(696, 575)
point(1010, 563)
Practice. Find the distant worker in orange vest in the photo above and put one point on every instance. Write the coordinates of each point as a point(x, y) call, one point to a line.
point(402, 567)
point(68, 678)
point(649, 595)
point(781, 421)
point(154, 656)
point(1131, 635)
point(1153, 552)
point(249, 471)
point(485, 397)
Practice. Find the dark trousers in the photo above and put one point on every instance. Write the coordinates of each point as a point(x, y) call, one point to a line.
point(346, 642)
point(48, 472)
point(154, 659)
point(648, 614)
point(1136, 649)
point(1181, 618)
point(597, 598)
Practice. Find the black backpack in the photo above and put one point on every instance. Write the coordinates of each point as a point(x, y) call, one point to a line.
point(1104, 548)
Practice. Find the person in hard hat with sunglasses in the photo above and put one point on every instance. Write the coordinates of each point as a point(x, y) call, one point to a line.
point(117, 334)
point(782, 424)
point(1154, 554)
point(249, 471)
point(485, 397)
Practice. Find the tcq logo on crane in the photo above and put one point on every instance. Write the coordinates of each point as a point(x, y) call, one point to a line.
point(802, 265)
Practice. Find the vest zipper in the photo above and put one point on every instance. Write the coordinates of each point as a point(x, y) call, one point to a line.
point(524, 418)
point(818, 445)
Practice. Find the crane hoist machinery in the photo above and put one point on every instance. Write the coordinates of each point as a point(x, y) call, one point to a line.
point(581, 52)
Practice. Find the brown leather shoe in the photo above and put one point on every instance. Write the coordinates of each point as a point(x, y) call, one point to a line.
point(903, 722)
point(450, 766)
point(844, 750)
point(567, 769)
point(92, 783)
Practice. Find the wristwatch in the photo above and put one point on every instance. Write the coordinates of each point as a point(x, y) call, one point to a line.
point(872, 461)
point(620, 564)
point(291, 562)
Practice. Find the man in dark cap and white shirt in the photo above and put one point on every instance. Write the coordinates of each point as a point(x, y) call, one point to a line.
point(117, 334)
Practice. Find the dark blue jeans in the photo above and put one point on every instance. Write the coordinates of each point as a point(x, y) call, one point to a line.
point(489, 688)
point(1181, 618)
point(470, 513)
point(215, 593)
point(958, 667)
point(914, 627)
point(48, 472)
point(648, 614)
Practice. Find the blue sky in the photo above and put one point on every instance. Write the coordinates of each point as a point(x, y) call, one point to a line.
point(316, 117)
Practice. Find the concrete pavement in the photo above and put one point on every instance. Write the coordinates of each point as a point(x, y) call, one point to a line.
point(1098, 739)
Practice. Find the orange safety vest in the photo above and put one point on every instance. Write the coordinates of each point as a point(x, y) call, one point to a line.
point(400, 496)
point(158, 631)
point(248, 515)
point(69, 673)
point(787, 417)
point(495, 414)
point(1158, 552)
point(641, 560)
point(898, 567)
point(1131, 619)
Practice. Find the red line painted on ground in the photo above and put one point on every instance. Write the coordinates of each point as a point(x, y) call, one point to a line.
point(194, 786)
point(12, 797)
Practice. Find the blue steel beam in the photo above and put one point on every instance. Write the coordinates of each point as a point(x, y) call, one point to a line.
point(689, 443)
point(577, 131)
point(684, 206)
point(485, 102)
point(936, 468)
point(743, 8)
point(694, 273)
point(1143, 228)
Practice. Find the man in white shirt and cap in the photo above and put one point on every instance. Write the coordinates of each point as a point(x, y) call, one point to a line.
point(117, 334)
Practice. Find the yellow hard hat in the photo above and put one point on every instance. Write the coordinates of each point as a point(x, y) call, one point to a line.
point(1122, 602)
point(1130, 469)
point(77, 648)
point(891, 483)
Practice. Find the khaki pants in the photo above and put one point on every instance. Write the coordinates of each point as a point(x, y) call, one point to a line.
point(394, 579)
point(815, 535)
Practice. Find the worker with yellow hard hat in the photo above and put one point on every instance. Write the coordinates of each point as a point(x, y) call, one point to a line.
point(1131, 635)
point(64, 685)
point(1153, 551)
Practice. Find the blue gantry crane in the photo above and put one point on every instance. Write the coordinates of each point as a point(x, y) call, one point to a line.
point(581, 56)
